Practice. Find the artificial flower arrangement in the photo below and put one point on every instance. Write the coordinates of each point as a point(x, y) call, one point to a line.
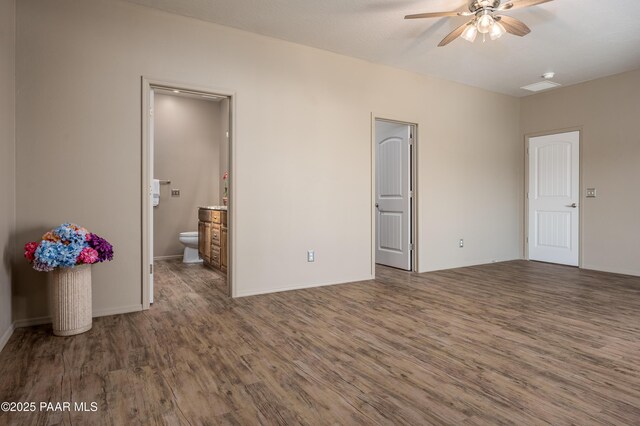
point(66, 246)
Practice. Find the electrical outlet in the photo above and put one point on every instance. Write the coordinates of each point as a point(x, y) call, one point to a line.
point(461, 243)
point(175, 192)
point(311, 256)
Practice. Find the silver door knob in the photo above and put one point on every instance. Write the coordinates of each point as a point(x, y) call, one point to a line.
point(573, 206)
point(377, 205)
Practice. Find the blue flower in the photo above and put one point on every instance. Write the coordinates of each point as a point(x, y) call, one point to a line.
point(47, 254)
point(68, 233)
point(58, 254)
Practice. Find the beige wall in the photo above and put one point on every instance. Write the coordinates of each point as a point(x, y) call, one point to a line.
point(7, 162)
point(608, 111)
point(302, 148)
point(187, 152)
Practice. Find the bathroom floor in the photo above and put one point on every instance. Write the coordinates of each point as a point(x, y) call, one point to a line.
point(172, 278)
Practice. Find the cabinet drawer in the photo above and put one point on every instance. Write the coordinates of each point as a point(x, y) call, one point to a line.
point(209, 215)
point(215, 235)
point(215, 216)
point(215, 256)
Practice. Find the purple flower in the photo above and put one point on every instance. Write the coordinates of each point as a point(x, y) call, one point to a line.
point(102, 246)
point(42, 267)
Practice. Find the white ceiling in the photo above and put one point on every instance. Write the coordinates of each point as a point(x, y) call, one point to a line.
point(578, 39)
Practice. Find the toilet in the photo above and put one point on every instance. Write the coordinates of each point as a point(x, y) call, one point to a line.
point(190, 242)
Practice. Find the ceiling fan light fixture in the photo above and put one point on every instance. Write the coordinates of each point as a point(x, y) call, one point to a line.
point(486, 19)
point(470, 32)
point(497, 31)
point(485, 23)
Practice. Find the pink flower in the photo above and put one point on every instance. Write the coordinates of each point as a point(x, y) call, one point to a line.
point(30, 250)
point(88, 256)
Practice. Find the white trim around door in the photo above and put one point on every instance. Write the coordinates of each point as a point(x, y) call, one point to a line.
point(413, 187)
point(554, 198)
point(148, 84)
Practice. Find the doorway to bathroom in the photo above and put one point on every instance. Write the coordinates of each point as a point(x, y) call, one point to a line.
point(187, 197)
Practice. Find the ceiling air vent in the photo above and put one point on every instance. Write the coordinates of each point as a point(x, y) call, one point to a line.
point(540, 86)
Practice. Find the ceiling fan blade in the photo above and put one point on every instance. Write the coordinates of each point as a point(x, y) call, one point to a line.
point(519, 4)
point(453, 35)
point(432, 15)
point(514, 26)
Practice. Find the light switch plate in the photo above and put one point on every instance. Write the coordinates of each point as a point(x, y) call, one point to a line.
point(175, 192)
point(591, 193)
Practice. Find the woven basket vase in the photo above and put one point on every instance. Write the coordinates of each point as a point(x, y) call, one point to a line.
point(71, 300)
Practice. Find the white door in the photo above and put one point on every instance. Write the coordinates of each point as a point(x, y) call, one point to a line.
point(150, 194)
point(554, 196)
point(393, 194)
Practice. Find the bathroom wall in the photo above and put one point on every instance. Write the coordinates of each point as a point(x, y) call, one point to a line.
point(7, 163)
point(187, 134)
point(301, 172)
point(608, 112)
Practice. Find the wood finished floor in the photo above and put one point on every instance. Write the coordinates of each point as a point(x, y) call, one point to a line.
point(512, 343)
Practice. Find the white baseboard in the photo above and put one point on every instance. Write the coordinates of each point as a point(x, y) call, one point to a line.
point(117, 311)
point(174, 256)
point(6, 336)
point(469, 264)
point(367, 278)
point(30, 322)
point(611, 270)
point(300, 287)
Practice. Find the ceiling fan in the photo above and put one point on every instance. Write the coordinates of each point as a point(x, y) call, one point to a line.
point(487, 19)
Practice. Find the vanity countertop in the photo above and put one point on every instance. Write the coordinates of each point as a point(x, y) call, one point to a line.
point(214, 207)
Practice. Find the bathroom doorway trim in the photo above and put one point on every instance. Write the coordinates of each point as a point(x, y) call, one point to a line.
point(414, 123)
point(149, 84)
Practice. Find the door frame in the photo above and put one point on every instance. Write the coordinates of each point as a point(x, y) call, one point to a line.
point(581, 198)
point(414, 182)
point(147, 85)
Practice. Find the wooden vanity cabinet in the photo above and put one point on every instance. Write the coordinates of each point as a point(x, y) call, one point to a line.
point(212, 238)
